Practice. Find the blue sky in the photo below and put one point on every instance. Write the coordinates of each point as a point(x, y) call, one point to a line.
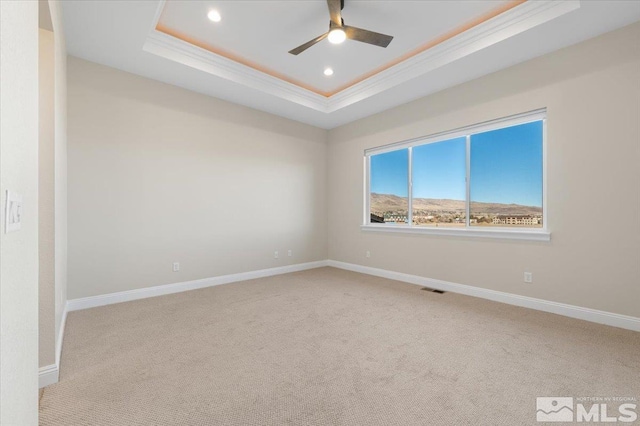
point(439, 170)
point(506, 167)
point(389, 172)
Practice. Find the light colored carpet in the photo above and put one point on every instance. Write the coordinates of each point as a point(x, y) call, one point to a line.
point(328, 347)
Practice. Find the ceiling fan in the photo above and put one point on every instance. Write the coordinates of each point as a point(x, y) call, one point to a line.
point(338, 31)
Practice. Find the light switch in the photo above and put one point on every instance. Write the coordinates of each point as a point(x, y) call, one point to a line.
point(13, 212)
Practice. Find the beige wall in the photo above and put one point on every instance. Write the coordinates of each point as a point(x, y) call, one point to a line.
point(158, 174)
point(46, 233)
point(52, 182)
point(592, 95)
point(60, 168)
point(19, 250)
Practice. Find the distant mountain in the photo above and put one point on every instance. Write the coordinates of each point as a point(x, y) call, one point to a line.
point(388, 203)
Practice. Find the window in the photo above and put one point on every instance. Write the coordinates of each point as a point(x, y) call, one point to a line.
point(483, 180)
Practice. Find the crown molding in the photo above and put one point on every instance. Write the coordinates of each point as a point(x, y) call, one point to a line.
point(180, 51)
point(499, 28)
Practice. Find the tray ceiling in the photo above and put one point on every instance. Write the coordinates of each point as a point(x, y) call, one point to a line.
point(244, 58)
point(261, 39)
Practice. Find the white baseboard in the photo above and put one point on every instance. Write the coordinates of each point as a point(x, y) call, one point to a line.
point(48, 375)
point(63, 323)
point(587, 314)
point(161, 290)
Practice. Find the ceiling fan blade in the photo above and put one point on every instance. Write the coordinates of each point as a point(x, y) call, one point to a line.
point(366, 36)
point(308, 44)
point(335, 6)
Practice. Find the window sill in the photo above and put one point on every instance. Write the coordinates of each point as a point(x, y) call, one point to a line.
point(496, 233)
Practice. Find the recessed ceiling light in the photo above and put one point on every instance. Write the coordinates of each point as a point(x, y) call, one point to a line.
point(214, 15)
point(328, 71)
point(337, 36)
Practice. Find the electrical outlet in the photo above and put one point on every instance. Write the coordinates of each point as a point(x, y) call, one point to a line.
point(528, 277)
point(275, 255)
point(176, 266)
point(368, 254)
point(289, 253)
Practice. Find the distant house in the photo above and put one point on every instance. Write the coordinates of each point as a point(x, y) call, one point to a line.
point(517, 219)
point(396, 218)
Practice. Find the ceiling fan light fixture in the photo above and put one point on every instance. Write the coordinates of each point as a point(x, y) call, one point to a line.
point(337, 36)
point(214, 16)
point(338, 31)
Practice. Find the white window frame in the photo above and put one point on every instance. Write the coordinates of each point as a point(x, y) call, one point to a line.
point(535, 234)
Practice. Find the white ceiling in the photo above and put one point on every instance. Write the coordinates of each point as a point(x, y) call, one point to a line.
point(116, 33)
point(271, 29)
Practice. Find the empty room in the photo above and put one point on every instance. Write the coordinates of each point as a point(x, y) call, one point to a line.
point(320, 212)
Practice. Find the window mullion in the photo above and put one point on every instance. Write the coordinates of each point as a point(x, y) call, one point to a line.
point(468, 183)
point(367, 189)
point(410, 188)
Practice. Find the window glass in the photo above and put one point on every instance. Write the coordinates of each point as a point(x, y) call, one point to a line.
point(389, 183)
point(506, 177)
point(439, 183)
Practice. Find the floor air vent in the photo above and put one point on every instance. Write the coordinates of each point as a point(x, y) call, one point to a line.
point(432, 290)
